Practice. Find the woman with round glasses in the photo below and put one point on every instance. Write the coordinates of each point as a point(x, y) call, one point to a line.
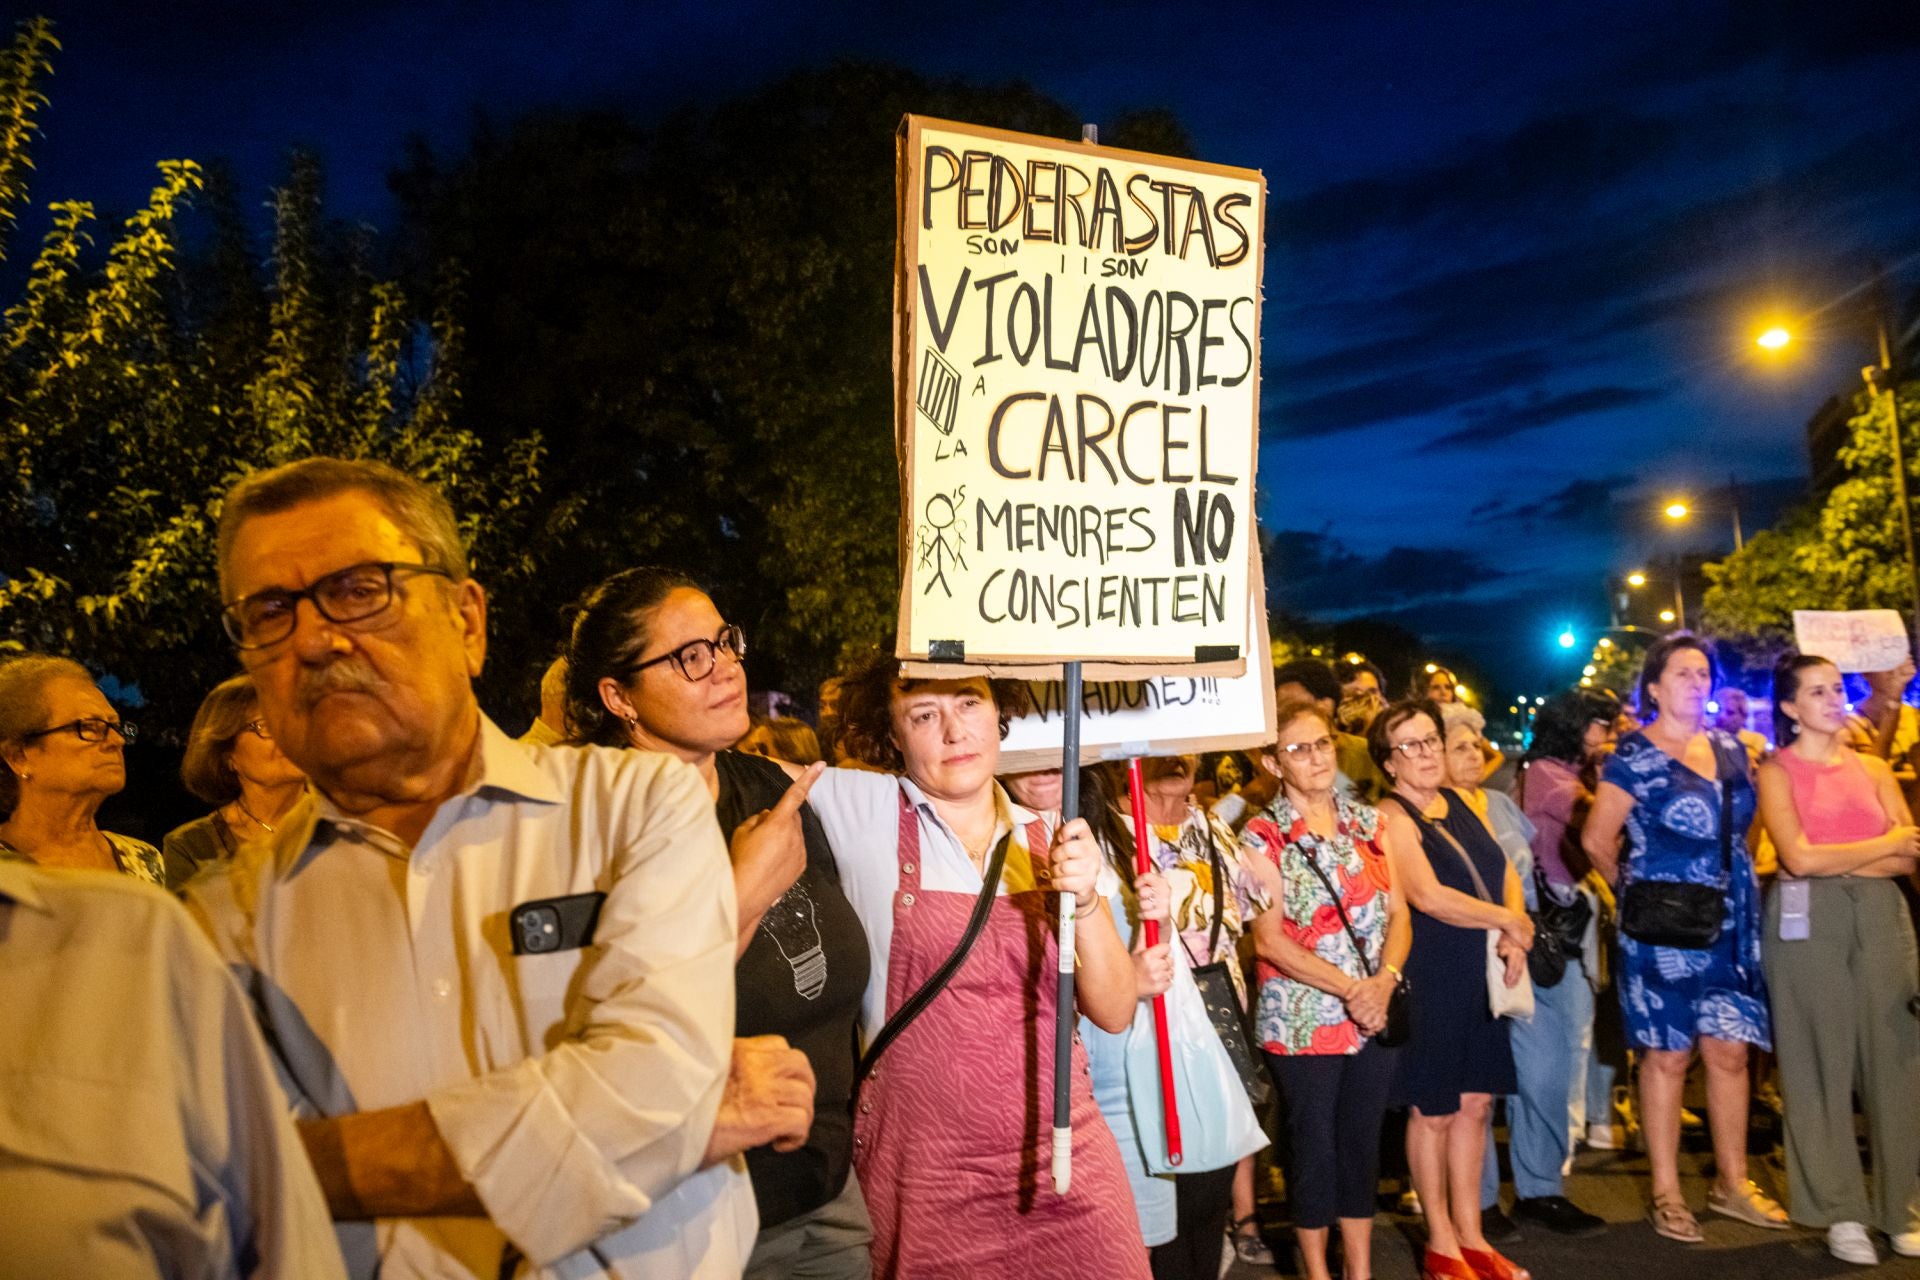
point(1460, 886)
point(233, 764)
point(1328, 967)
point(651, 664)
point(62, 753)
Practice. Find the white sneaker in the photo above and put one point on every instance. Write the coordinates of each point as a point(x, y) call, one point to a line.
point(1907, 1243)
point(1849, 1242)
point(1601, 1137)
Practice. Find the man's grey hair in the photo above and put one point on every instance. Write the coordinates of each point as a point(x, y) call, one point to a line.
point(420, 510)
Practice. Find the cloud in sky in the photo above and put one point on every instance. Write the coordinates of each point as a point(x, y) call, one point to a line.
point(1494, 423)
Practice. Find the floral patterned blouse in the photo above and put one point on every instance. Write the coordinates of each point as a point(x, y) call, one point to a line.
point(1187, 854)
point(136, 858)
point(1294, 1017)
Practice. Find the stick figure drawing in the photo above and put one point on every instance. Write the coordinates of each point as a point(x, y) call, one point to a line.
point(943, 536)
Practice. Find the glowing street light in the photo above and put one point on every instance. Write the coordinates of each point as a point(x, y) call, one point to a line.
point(1568, 639)
point(1636, 579)
point(1666, 615)
point(1775, 338)
point(1678, 511)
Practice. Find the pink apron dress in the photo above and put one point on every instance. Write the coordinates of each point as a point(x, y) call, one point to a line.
point(953, 1133)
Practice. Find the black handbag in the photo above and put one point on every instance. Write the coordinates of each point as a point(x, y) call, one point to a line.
point(1674, 913)
point(1399, 1025)
point(1218, 993)
point(1558, 930)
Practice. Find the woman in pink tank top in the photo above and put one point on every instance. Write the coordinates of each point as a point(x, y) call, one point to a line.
point(1841, 963)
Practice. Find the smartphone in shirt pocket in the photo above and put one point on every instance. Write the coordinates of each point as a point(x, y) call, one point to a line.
point(1796, 919)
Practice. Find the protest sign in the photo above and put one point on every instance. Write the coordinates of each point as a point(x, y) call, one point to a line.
point(1854, 640)
point(1076, 358)
point(1159, 715)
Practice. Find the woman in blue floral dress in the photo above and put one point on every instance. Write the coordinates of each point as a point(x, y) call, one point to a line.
point(1663, 787)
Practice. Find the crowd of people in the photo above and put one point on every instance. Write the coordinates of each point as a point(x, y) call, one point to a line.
point(663, 989)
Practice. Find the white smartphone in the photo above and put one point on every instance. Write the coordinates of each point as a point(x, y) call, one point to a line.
point(1796, 922)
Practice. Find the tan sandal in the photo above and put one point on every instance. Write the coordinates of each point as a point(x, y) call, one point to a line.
point(1750, 1205)
point(1671, 1218)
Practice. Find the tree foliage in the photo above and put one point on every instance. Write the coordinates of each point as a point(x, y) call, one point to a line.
point(1844, 553)
point(142, 381)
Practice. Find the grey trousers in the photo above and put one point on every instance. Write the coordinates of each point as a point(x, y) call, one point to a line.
point(1842, 1018)
point(831, 1243)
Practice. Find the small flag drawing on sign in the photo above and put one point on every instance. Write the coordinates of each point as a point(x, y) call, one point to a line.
point(939, 391)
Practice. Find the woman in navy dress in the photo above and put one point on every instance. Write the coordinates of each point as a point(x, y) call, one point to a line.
point(1662, 786)
point(1457, 1056)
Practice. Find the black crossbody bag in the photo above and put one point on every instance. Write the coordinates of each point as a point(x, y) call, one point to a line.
point(1399, 1026)
point(1678, 913)
point(938, 979)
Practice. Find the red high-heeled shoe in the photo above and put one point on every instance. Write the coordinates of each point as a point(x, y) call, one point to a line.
point(1489, 1265)
point(1438, 1266)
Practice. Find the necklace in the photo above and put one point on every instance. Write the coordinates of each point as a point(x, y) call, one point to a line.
point(264, 826)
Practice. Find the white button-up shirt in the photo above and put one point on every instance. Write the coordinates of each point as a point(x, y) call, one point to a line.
point(141, 1133)
point(576, 1089)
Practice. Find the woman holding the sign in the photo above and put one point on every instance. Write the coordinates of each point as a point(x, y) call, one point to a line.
point(1328, 969)
point(1689, 927)
point(952, 882)
point(1836, 921)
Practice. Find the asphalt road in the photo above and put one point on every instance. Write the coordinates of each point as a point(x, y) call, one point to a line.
point(1614, 1185)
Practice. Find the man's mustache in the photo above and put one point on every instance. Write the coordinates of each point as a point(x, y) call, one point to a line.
point(342, 675)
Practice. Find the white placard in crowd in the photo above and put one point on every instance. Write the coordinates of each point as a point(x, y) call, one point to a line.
point(1159, 716)
point(1854, 640)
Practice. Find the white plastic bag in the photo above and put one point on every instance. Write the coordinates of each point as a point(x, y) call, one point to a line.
point(1217, 1123)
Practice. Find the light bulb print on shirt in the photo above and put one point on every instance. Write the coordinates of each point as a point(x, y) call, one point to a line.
point(792, 925)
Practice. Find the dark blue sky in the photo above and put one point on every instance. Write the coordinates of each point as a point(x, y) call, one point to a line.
point(1516, 252)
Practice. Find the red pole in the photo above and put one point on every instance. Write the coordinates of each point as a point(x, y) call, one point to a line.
point(1143, 863)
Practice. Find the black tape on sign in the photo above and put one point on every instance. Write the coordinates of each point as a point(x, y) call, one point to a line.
point(1215, 652)
point(954, 651)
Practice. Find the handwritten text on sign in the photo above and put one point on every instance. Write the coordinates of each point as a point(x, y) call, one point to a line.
point(1079, 352)
point(1854, 640)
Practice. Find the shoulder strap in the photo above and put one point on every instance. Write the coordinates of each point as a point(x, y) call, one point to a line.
point(1313, 865)
point(914, 1004)
point(1726, 778)
point(1426, 824)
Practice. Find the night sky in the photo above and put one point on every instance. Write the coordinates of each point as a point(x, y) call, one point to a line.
point(1516, 253)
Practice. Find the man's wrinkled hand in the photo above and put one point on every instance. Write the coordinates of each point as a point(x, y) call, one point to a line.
point(768, 1100)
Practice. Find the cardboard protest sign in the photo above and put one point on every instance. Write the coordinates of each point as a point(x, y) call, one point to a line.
point(1160, 715)
point(1076, 359)
point(1854, 640)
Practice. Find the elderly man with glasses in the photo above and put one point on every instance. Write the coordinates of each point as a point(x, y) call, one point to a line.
point(498, 977)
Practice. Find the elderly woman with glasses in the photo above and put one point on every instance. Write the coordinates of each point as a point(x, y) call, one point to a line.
point(233, 764)
point(62, 753)
point(1328, 968)
point(652, 664)
point(1461, 888)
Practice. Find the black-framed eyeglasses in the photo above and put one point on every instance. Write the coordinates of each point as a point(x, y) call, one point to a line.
point(696, 659)
point(258, 728)
point(352, 594)
point(90, 729)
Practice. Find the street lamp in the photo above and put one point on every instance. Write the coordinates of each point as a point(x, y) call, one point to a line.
point(1666, 615)
point(1677, 511)
point(1884, 376)
point(1567, 638)
point(1636, 579)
